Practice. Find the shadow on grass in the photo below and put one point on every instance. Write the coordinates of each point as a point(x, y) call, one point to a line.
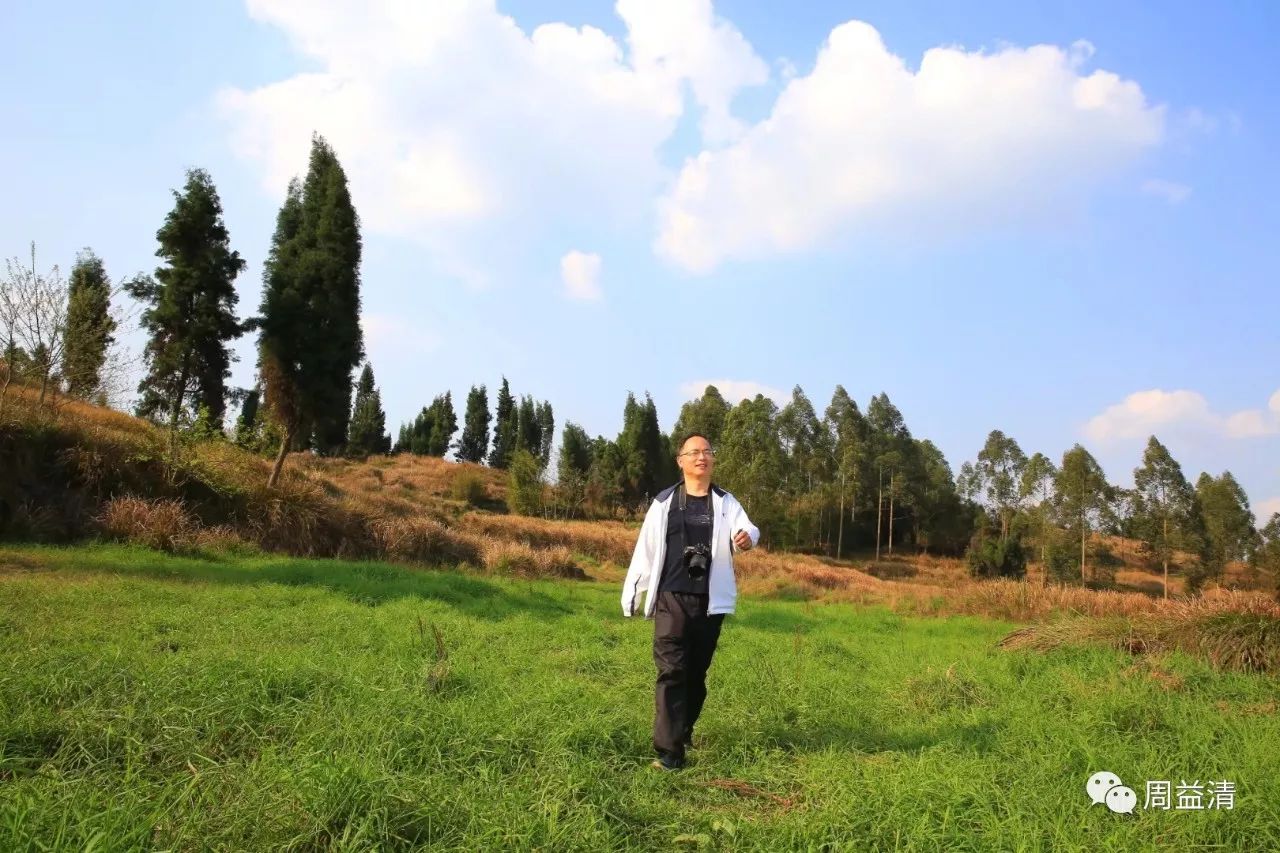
point(362, 582)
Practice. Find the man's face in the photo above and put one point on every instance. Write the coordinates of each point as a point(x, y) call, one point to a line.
point(695, 458)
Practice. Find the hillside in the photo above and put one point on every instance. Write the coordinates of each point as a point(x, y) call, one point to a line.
point(83, 471)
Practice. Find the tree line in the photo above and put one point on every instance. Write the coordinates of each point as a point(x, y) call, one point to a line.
point(848, 480)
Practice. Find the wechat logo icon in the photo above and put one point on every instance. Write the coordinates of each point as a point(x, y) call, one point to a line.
point(1106, 787)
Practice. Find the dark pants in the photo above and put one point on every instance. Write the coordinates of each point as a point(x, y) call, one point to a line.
point(684, 639)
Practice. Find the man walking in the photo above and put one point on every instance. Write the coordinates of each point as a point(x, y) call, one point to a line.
point(683, 562)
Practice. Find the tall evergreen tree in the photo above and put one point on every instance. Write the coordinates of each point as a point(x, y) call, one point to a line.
point(892, 453)
point(191, 302)
point(640, 444)
point(1228, 522)
point(368, 431)
point(248, 418)
point(89, 325)
point(573, 468)
point(804, 443)
point(1001, 463)
point(444, 423)
point(750, 461)
point(850, 456)
point(475, 430)
point(506, 425)
point(546, 432)
point(606, 477)
point(310, 324)
point(1036, 491)
point(1082, 497)
point(705, 415)
point(1166, 510)
point(528, 432)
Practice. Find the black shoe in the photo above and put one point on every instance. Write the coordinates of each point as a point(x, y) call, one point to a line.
point(667, 763)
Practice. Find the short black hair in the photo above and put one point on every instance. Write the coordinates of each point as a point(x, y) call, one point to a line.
point(688, 435)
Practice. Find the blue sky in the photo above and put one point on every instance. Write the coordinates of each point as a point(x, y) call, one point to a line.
point(1057, 220)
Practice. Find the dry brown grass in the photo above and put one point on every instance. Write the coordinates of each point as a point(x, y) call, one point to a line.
point(163, 524)
point(425, 540)
point(603, 540)
point(1232, 630)
point(518, 559)
point(420, 510)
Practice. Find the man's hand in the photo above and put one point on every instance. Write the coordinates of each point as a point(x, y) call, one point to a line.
point(742, 540)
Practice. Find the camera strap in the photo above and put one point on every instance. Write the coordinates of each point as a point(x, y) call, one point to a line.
point(681, 500)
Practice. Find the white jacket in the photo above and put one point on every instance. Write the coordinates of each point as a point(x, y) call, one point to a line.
point(728, 517)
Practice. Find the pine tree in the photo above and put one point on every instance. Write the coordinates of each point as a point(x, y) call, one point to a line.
point(368, 430)
point(506, 425)
point(191, 314)
point(475, 431)
point(89, 325)
point(310, 324)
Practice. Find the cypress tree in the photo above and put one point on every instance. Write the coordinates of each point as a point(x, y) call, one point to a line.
point(475, 430)
point(310, 324)
point(444, 423)
point(89, 325)
point(528, 431)
point(368, 429)
point(546, 432)
point(248, 417)
point(505, 428)
point(191, 301)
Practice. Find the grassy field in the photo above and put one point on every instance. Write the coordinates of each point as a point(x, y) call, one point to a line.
point(156, 702)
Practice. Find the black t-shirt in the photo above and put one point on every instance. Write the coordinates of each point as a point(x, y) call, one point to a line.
point(697, 521)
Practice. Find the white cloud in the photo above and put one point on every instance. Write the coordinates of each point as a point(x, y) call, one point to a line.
point(864, 142)
point(1263, 510)
point(448, 117)
point(1144, 413)
point(1170, 191)
point(580, 273)
point(734, 390)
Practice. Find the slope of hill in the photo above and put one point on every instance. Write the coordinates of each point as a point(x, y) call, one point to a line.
point(83, 471)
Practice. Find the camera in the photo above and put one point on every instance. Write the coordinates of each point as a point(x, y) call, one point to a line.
point(697, 558)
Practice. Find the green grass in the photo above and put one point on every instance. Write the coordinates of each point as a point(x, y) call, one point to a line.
point(148, 701)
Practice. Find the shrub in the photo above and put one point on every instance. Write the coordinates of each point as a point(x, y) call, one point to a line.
point(991, 557)
point(467, 486)
point(524, 492)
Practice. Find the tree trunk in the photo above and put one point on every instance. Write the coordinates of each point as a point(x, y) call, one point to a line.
point(892, 481)
point(1083, 578)
point(1166, 556)
point(840, 535)
point(176, 408)
point(879, 509)
point(284, 451)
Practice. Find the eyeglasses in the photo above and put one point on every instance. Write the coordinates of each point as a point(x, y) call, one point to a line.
point(696, 453)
